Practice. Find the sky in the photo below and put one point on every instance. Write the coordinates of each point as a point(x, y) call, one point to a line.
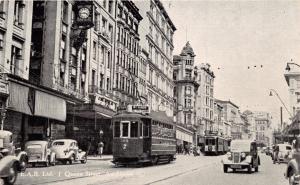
point(237, 34)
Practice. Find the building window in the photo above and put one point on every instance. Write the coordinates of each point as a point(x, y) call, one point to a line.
point(83, 60)
point(94, 50)
point(73, 61)
point(16, 57)
point(187, 102)
point(108, 59)
point(18, 13)
point(103, 54)
point(188, 62)
point(2, 10)
point(104, 4)
point(188, 90)
point(151, 76)
point(65, 12)
point(110, 6)
point(104, 21)
point(188, 74)
point(97, 21)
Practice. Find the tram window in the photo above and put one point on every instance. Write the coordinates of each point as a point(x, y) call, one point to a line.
point(117, 129)
point(141, 129)
point(146, 129)
point(134, 129)
point(125, 129)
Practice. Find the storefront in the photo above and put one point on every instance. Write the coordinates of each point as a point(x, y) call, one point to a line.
point(89, 124)
point(184, 138)
point(34, 112)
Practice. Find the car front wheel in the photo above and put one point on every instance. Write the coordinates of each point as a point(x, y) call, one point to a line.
point(249, 169)
point(11, 179)
point(84, 159)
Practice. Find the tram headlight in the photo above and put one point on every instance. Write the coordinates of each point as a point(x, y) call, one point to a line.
point(124, 146)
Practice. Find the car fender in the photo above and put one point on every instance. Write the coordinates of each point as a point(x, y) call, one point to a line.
point(6, 163)
point(248, 159)
point(81, 155)
point(52, 157)
point(22, 156)
point(292, 165)
point(70, 154)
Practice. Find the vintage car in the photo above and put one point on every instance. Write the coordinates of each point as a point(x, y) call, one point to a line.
point(12, 161)
point(40, 153)
point(243, 154)
point(282, 153)
point(292, 172)
point(66, 150)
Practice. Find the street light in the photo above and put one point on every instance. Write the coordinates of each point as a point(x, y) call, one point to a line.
point(271, 94)
point(288, 68)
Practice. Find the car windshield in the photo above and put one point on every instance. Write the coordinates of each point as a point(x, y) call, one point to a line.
point(240, 146)
point(58, 143)
point(284, 148)
point(34, 146)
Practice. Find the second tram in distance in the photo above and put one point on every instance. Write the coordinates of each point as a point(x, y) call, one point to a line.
point(214, 144)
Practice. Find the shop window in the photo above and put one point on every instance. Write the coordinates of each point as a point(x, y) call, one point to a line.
point(134, 129)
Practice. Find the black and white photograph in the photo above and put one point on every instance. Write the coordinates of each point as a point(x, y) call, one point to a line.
point(149, 92)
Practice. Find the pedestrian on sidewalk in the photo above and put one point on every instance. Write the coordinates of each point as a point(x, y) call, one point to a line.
point(100, 148)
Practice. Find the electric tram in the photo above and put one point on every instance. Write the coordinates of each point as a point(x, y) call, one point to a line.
point(214, 144)
point(142, 138)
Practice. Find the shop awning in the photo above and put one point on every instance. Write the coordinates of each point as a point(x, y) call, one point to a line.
point(184, 134)
point(18, 99)
point(30, 101)
point(49, 106)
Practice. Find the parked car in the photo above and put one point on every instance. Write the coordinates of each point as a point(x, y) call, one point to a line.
point(66, 150)
point(292, 172)
point(282, 153)
point(39, 153)
point(243, 154)
point(12, 161)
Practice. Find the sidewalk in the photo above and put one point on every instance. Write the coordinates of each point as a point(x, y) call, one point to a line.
point(103, 158)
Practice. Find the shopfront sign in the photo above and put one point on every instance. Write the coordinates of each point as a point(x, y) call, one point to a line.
point(3, 88)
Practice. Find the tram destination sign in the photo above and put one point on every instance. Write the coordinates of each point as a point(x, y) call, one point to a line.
point(135, 108)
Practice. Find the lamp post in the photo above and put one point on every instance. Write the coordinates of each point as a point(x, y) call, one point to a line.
point(288, 68)
point(271, 94)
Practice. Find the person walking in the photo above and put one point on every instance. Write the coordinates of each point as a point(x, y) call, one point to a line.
point(100, 148)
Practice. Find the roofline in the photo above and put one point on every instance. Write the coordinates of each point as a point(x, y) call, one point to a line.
point(161, 6)
point(226, 101)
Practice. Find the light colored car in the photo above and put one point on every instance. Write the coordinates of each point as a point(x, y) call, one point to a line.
point(39, 153)
point(243, 155)
point(282, 153)
point(12, 161)
point(66, 150)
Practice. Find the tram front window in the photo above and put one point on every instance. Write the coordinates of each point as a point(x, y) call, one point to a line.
point(134, 129)
point(117, 129)
point(125, 129)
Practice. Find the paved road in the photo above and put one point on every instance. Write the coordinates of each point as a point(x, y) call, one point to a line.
point(206, 170)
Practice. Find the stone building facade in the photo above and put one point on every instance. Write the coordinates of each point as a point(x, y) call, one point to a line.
point(156, 34)
point(185, 93)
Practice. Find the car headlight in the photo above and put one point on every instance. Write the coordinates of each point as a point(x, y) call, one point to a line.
point(229, 155)
point(243, 155)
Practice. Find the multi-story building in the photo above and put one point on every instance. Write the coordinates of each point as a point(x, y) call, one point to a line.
point(185, 92)
point(263, 127)
point(251, 121)
point(127, 60)
point(292, 77)
point(232, 119)
point(218, 125)
point(205, 98)
point(77, 62)
point(156, 34)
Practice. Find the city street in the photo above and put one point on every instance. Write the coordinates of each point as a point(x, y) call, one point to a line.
point(185, 170)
